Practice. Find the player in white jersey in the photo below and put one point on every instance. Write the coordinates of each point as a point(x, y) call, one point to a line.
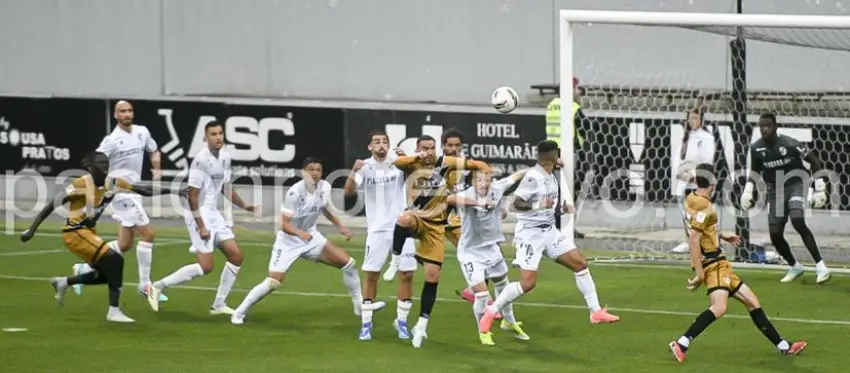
point(299, 237)
point(125, 147)
point(536, 235)
point(478, 251)
point(209, 179)
point(383, 186)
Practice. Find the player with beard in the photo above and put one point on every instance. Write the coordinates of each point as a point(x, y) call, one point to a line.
point(430, 179)
point(383, 188)
point(125, 147)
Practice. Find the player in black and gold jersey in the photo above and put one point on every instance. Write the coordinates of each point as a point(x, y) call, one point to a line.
point(429, 181)
point(715, 272)
point(87, 198)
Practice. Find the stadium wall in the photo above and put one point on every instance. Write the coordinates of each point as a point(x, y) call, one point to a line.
point(405, 50)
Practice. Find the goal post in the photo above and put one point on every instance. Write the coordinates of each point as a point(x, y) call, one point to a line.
point(715, 23)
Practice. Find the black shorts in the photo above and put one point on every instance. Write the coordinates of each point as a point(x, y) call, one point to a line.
point(782, 199)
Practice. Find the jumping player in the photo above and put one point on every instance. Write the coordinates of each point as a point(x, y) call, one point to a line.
point(452, 141)
point(125, 147)
point(383, 186)
point(429, 181)
point(88, 197)
point(715, 272)
point(478, 252)
point(298, 237)
point(209, 178)
point(536, 236)
point(778, 159)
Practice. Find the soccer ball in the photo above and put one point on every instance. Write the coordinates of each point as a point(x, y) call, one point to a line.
point(504, 99)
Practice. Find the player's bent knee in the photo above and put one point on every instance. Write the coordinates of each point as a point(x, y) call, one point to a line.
point(273, 283)
point(351, 264)
point(276, 276)
point(147, 233)
point(406, 219)
point(776, 229)
point(405, 276)
point(799, 224)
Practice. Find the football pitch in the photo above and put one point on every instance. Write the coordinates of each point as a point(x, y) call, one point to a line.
point(308, 324)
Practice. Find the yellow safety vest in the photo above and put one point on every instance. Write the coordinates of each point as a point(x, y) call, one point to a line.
point(553, 121)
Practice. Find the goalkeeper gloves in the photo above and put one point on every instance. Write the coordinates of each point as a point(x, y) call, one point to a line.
point(818, 197)
point(747, 196)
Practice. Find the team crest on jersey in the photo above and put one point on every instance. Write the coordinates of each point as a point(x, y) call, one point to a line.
point(782, 150)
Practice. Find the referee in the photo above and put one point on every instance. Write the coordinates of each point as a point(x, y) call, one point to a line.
point(553, 132)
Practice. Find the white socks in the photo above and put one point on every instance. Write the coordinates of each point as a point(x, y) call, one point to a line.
point(144, 255)
point(511, 292)
point(403, 309)
point(258, 292)
point(181, 275)
point(480, 304)
point(821, 266)
point(588, 288)
point(352, 282)
point(507, 310)
point(225, 284)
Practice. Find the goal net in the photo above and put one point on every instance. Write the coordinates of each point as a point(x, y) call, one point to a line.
point(731, 68)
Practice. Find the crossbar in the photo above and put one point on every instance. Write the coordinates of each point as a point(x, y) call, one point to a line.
point(705, 19)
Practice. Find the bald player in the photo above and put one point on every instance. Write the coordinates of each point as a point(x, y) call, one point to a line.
point(125, 147)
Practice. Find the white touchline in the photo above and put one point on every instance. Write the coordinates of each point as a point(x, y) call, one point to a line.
point(453, 300)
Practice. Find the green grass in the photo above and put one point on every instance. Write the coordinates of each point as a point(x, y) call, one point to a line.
point(308, 326)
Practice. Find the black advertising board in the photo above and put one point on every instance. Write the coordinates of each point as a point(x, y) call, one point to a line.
point(268, 141)
point(49, 135)
point(506, 142)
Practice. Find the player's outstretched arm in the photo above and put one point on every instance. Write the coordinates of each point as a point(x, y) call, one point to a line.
point(405, 162)
point(516, 176)
point(57, 200)
point(460, 199)
point(143, 190)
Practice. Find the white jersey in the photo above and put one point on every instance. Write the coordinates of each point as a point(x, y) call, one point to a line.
point(536, 185)
point(305, 207)
point(383, 186)
point(209, 174)
point(699, 149)
point(481, 229)
point(125, 151)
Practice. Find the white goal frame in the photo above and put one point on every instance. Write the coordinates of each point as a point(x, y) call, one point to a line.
point(569, 18)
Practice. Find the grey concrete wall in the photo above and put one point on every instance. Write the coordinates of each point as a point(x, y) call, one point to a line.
point(438, 50)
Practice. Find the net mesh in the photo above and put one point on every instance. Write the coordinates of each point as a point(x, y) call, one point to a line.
point(637, 100)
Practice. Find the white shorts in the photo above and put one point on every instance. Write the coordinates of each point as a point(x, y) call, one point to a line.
point(215, 223)
point(532, 243)
point(130, 211)
point(379, 245)
point(477, 268)
point(285, 252)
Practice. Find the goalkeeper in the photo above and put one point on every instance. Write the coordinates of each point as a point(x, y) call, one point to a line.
point(779, 161)
point(553, 133)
